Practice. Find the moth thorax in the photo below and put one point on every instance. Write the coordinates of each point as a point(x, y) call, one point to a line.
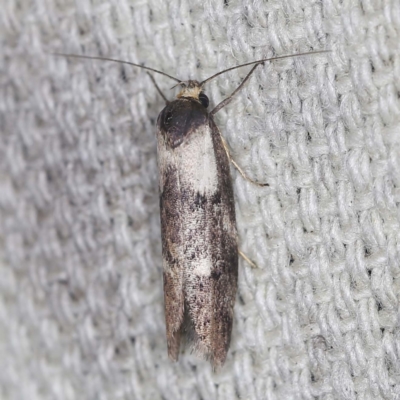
point(190, 89)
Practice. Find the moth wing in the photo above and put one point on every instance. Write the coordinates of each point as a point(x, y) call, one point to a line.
point(199, 239)
point(212, 255)
point(173, 297)
point(172, 264)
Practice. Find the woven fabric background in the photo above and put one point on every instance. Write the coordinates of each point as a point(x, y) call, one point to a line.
point(81, 294)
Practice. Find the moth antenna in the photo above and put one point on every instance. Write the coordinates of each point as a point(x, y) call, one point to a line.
point(118, 61)
point(173, 87)
point(261, 61)
point(157, 87)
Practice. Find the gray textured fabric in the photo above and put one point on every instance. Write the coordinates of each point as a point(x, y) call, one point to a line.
point(81, 300)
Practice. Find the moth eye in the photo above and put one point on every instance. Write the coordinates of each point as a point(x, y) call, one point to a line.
point(204, 100)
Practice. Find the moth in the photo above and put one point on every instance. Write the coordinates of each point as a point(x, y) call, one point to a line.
point(198, 224)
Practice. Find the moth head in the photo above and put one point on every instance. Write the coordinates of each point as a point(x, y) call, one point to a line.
point(193, 90)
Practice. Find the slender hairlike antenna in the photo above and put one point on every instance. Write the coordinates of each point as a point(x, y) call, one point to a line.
point(179, 80)
point(118, 61)
point(261, 61)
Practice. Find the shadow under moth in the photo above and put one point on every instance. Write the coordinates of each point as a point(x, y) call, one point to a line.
point(198, 225)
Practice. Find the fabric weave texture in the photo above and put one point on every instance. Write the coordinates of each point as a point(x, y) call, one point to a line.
point(81, 294)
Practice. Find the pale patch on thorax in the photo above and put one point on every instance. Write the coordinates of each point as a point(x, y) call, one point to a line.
point(190, 92)
point(191, 89)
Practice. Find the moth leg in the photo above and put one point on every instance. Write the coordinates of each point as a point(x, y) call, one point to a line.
point(230, 98)
point(158, 89)
point(237, 166)
point(247, 259)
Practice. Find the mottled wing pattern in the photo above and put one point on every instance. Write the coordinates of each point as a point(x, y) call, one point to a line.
point(212, 258)
point(170, 204)
point(199, 236)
